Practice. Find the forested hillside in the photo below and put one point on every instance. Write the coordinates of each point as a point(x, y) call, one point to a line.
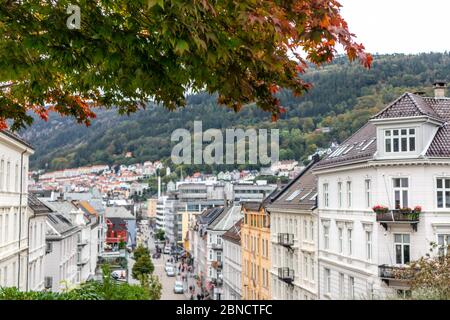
point(343, 98)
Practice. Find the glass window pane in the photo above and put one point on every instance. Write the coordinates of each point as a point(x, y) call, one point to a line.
point(405, 198)
point(387, 133)
point(447, 199)
point(406, 254)
point(404, 144)
point(439, 183)
point(388, 145)
point(398, 238)
point(397, 199)
point(396, 146)
point(440, 199)
point(404, 182)
point(406, 238)
point(447, 183)
point(395, 132)
point(412, 131)
point(441, 240)
point(396, 183)
point(403, 131)
point(412, 144)
point(398, 254)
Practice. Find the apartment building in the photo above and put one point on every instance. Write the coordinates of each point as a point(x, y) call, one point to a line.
point(36, 243)
point(14, 214)
point(399, 159)
point(255, 235)
point(232, 263)
point(293, 238)
point(60, 267)
point(214, 247)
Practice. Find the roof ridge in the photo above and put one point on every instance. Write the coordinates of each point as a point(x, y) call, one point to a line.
point(388, 106)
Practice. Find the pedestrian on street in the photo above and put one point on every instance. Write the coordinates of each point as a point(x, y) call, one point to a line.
point(198, 296)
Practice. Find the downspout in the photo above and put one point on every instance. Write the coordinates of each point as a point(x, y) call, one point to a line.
point(20, 219)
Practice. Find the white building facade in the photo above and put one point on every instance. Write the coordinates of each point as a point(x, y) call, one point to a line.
point(399, 160)
point(293, 234)
point(232, 263)
point(14, 155)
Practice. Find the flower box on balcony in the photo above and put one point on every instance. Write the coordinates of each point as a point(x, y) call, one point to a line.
point(380, 209)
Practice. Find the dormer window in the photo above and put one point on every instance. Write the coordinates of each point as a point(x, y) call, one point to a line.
point(400, 140)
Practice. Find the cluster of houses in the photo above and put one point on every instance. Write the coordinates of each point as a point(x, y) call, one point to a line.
point(343, 226)
point(49, 240)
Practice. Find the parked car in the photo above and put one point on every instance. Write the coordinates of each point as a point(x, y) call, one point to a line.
point(178, 287)
point(167, 250)
point(170, 271)
point(168, 265)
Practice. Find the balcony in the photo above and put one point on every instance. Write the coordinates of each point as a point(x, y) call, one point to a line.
point(398, 217)
point(216, 246)
point(82, 243)
point(82, 261)
point(286, 275)
point(286, 240)
point(387, 273)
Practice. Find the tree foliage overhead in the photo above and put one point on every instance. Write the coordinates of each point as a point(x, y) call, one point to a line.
point(128, 52)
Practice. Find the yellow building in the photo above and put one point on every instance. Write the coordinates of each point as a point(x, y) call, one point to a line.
point(255, 240)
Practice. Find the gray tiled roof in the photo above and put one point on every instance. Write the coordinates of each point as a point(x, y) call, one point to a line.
point(119, 212)
point(361, 146)
point(234, 233)
point(17, 138)
point(300, 193)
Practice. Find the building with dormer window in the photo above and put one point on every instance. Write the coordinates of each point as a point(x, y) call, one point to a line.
point(399, 160)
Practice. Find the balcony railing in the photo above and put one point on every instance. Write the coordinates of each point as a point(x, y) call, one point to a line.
point(286, 239)
point(387, 272)
point(216, 246)
point(82, 242)
point(286, 275)
point(398, 216)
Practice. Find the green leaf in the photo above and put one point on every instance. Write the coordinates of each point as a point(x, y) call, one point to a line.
point(182, 46)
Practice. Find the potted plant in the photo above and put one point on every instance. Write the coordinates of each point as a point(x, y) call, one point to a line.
point(416, 211)
point(405, 210)
point(379, 209)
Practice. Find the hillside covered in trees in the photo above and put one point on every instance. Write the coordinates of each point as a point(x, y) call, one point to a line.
point(344, 96)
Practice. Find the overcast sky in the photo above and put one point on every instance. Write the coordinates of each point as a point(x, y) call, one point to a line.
point(399, 26)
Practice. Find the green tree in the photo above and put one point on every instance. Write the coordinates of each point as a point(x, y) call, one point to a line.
point(128, 51)
point(143, 268)
point(140, 251)
point(160, 235)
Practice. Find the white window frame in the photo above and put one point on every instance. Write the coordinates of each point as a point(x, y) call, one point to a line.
point(341, 240)
point(443, 189)
point(351, 287)
point(402, 245)
point(340, 194)
point(368, 190)
point(369, 242)
point(350, 241)
point(443, 248)
point(327, 276)
point(326, 237)
point(349, 194)
point(390, 136)
point(401, 189)
point(326, 199)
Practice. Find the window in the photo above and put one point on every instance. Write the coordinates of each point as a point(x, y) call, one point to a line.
point(8, 176)
point(311, 232)
point(401, 186)
point(349, 241)
point(326, 237)
point(369, 245)
point(443, 243)
point(400, 140)
point(293, 195)
point(340, 194)
point(443, 193)
point(327, 276)
point(16, 179)
point(402, 248)
point(340, 235)
point(325, 195)
point(305, 229)
point(2, 175)
point(306, 267)
point(341, 285)
point(351, 287)
point(349, 194)
point(367, 184)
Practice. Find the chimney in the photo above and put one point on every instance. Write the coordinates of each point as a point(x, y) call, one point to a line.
point(439, 89)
